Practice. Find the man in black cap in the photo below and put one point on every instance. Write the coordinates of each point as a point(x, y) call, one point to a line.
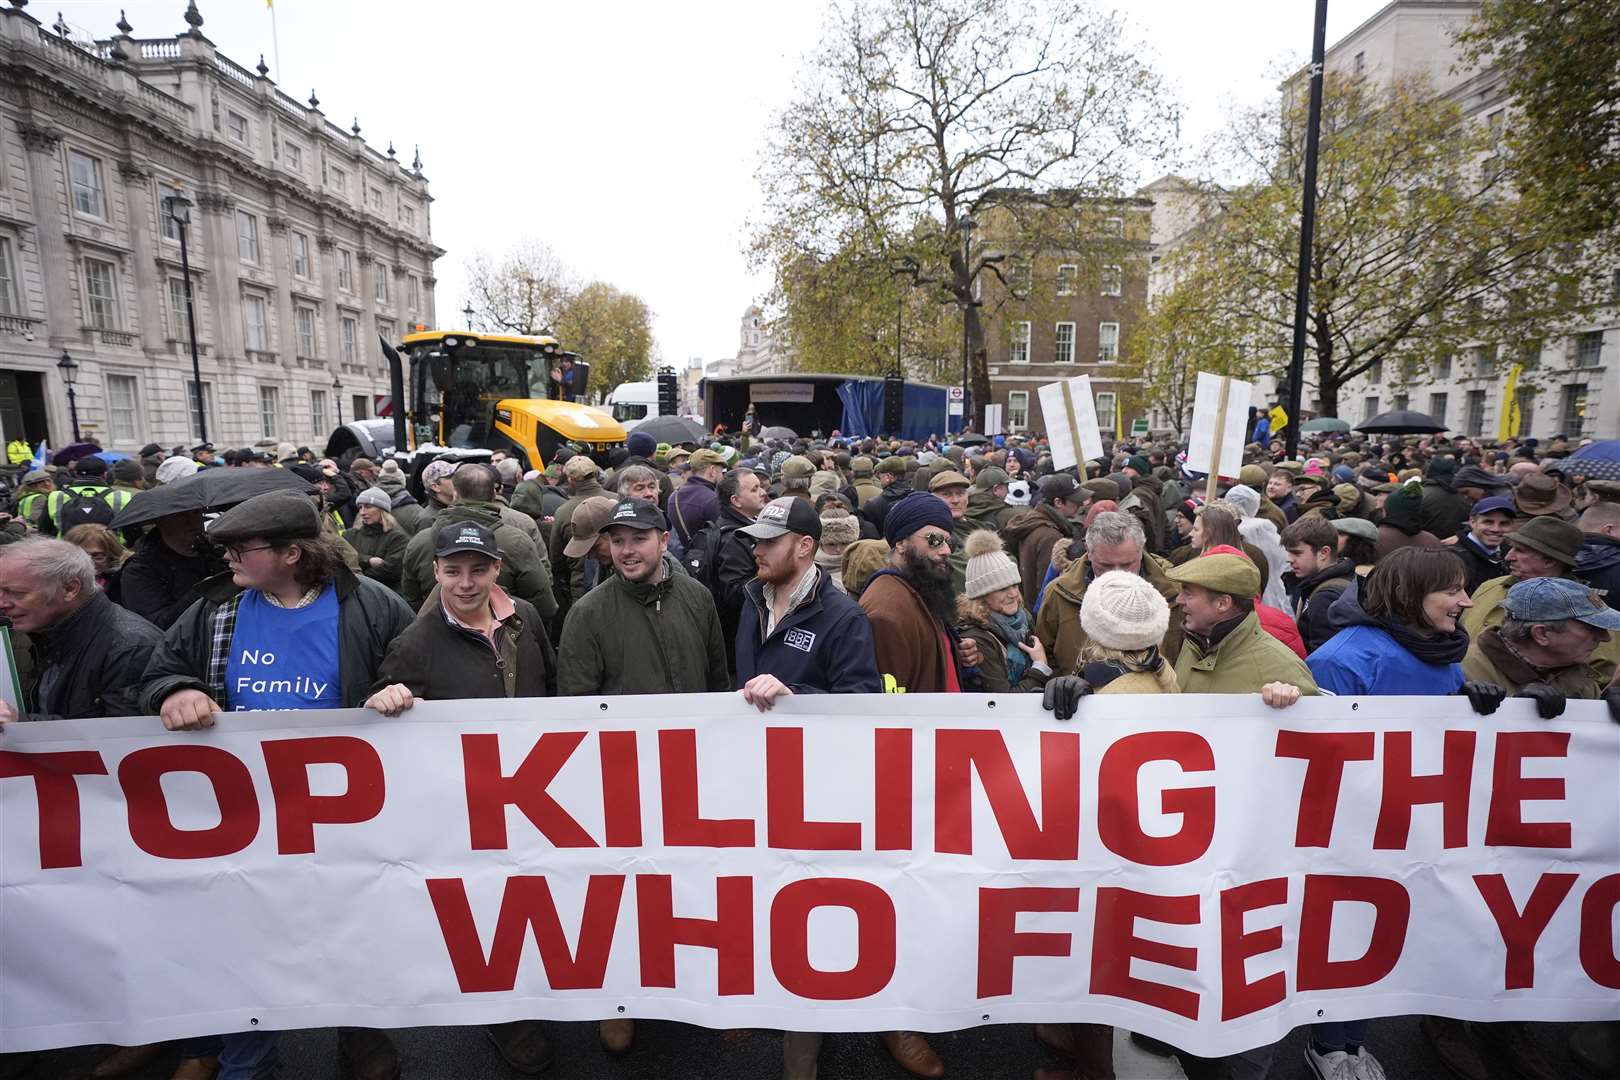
point(289, 627)
point(1034, 533)
point(203, 454)
point(647, 629)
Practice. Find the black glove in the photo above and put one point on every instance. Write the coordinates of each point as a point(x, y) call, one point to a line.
point(1483, 696)
point(1063, 694)
point(1611, 698)
point(1549, 700)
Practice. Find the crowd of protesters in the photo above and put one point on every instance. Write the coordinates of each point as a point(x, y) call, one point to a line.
point(1413, 566)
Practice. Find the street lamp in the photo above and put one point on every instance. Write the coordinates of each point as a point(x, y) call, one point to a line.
point(337, 393)
point(70, 370)
point(966, 224)
point(468, 311)
point(178, 207)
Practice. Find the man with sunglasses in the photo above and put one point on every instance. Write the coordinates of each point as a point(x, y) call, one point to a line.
point(288, 627)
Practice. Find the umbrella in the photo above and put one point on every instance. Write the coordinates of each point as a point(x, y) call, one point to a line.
point(110, 456)
point(210, 489)
point(1325, 423)
point(73, 452)
point(779, 432)
point(972, 438)
point(1599, 461)
point(1402, 422)
point(672, 429)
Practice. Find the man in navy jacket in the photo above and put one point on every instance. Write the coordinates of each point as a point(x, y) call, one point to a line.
point(797, 633)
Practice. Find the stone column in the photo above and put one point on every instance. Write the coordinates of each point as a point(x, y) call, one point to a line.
point(238, 419)
point(326, 246)
point(149, 277)
point(294, 401)
point(61, 320)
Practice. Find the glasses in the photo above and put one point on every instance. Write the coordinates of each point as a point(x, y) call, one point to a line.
point(935, 540)
point(234, 552)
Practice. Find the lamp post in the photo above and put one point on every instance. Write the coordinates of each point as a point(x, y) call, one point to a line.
point(966, 224)
point(178, 207)
point(337, 394)
point(468, 311)
point(70, 371)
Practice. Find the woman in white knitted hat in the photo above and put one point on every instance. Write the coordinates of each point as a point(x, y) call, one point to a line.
point(1124, 618)
point(991, 612)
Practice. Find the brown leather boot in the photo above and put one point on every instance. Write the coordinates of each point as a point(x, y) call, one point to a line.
point(125, 1060)
point(913, 1054)
point(369, 1054)
point(196, 1069)
point(523, 1045)
point(616, 1036)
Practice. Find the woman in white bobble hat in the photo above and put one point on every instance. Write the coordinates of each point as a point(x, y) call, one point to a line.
point(1124, 618)
point(991, 611)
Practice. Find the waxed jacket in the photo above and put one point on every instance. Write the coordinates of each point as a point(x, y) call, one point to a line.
point(1490, 660)
point(440, 661)
point(632, 637)
point(369, 617)
point(1057, 624)
point(524, 571)
point(373, 541)
point(1032, 535)
point(158, 583)
point(1444, 509)
point(1241, 662)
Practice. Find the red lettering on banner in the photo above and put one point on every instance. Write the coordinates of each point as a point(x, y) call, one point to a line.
point(1114, 945)
point(1001, 942)
point(621, 789)
point(1239, 996)
point(1450, 787)
point(785, 825)
point(490, 792)
point(56, 794)
point(730, 933)
point(1119, 814)
point(874, 939)
point(1521, 930)
point(1598, 957)
point(958, 754)
point(297, 811)
point(527, 904)
point(1326, 753)
point(678, 776)
point(1392, 907)
point(891, 768)
point(1510, 789)
point(141, 775)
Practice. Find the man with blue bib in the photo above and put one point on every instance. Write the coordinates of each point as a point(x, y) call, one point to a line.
point(288, 627)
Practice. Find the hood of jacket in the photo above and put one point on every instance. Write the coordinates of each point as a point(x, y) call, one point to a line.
point(982, 504)
point(1040, 517)
point(1599, 552)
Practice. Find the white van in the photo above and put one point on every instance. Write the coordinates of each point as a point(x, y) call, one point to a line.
point(633, 402)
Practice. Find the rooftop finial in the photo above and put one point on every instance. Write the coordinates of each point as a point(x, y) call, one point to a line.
point(262, 69)
point(390, 148)
point(194, 17)
point(60, 26)
point(356, 128)
point(314, 102)
point(123, 24)
point(416, 163)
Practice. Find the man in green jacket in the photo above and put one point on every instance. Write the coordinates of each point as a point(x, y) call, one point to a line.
point(987, 505)
point(524, 570)
point(1225, 651)
point(647, 629)
point(582, 476)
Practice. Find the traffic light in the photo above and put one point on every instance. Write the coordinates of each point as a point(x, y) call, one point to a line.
point(894, 404)
point(669, 392)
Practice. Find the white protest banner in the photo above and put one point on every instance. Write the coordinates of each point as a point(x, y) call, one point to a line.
point(992, 419)
point(1201, 869)
point(1220, 411)
point(1071, 421)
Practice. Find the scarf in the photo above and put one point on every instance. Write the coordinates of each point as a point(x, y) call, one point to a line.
point(1431, 648)
point(1012, 629)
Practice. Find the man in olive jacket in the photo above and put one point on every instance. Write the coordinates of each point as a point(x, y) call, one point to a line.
point(1226, 651)
point(648, 629)
point(525, 572)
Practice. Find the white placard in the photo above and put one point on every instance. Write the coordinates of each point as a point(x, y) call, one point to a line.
point(992, 419)
point(1201, 446)
point(1081, 441)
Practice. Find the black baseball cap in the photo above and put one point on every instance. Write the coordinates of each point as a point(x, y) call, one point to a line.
point(637, 514)
point(466, 536)
point(785, 515)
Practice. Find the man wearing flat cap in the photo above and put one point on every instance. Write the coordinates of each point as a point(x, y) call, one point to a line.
point(287, 627)
point(1225, 650)
point(695, 503)
point(891, 476)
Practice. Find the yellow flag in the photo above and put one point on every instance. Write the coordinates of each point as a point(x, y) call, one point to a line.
point(1278, 417)
point(1508, 426)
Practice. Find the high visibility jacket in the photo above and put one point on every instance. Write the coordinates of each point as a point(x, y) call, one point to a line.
point(113, 497)
point(18, 452)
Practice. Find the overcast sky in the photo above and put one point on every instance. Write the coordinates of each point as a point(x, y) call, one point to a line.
point(626, 135)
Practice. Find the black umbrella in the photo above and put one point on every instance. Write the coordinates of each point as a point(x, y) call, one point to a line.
point(972, 438)
point(207, 489)
point(73, 452)
point(779, 432)
point(1402, 422)
point(672, 429)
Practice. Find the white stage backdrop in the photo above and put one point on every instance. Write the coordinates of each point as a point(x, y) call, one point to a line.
point(1201, 869)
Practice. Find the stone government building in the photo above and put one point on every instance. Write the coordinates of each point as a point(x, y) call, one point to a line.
point(305, 243)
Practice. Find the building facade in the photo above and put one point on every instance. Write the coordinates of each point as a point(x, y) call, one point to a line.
point(304, 244)
point(758, 350)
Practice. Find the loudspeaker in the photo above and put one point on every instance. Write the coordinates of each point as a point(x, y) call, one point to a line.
point(894, 404)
